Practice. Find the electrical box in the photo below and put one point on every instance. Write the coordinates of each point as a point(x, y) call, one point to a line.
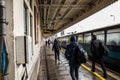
point(20, 44)
point(29, 48)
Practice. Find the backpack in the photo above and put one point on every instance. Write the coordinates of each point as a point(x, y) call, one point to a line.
point(69, 53)
point(103, 49)
point(56, 46)
point(80, 55)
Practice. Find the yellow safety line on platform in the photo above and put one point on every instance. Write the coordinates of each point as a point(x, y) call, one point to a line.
point(96, 74)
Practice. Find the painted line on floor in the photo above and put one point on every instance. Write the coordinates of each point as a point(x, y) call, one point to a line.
point(96, 74)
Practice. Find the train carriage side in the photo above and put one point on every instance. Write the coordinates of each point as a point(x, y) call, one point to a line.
point(113, 43)
point(109, 36)
point(64, 41)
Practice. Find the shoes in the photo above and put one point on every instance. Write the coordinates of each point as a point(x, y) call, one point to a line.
point(93, 70)
point(58, 59)
point(105, 77)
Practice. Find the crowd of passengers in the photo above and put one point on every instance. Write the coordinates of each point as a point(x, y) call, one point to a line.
point(97, 48)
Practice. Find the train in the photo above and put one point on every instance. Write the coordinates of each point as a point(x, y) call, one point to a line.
point(109, 35)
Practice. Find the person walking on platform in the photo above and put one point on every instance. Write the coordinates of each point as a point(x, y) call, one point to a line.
point(49, 42)
point(97, 54)
point(46, 42)
point(70, 55)
point(56, 47)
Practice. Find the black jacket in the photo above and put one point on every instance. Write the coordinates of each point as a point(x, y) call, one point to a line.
point(56, 46)
point(95, 49)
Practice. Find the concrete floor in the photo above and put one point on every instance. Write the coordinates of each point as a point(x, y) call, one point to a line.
point(59, 71)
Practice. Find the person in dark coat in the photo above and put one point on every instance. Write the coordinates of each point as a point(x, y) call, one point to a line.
point(96, 54)
point(49, 42)
point(46, 42)
point(69, 54)
point(56, 47)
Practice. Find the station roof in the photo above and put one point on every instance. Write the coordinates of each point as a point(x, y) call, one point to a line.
point(57, 15)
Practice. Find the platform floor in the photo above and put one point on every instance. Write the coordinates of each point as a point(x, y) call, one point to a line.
point(49, 70)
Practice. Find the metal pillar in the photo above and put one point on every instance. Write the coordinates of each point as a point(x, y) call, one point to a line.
point(2, 33)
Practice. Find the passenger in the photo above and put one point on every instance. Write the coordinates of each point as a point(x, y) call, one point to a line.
point(97, 55)
point(49, 42)
point(46, 42)
point(56, 47)
point(69, 54)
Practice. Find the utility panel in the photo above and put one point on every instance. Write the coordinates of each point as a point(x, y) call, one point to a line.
point(21, 55)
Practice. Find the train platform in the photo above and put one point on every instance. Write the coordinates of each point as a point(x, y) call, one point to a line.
point(49, 70)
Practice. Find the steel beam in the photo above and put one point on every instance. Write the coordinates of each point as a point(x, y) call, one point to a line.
point(63, 6)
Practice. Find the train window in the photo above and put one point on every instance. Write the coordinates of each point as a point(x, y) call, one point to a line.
point(87, 38)
point(66, 40)
point(80, 38)
point(113, 37)
point(100, 35)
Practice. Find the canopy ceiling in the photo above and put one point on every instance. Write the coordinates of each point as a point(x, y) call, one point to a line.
point(57, 15)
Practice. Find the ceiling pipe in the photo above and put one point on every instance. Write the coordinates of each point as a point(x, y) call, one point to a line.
point(63, 6)
point(48, 12)
point(67, 11)
point(55, 12)
point(45, 11)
